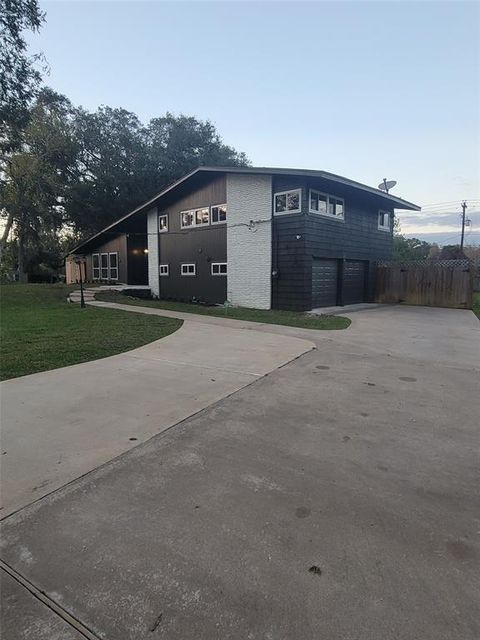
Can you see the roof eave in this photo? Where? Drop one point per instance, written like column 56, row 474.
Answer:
column 399, row 202
column 402, row 204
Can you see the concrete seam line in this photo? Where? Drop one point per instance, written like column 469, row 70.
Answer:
column 48, row 602
column 159, row 435
column 198, row 366
column 199, row 319
column 180, row 315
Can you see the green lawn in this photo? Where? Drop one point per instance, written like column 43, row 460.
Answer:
column 287, row 318
column 476, row 304
column 41, row 331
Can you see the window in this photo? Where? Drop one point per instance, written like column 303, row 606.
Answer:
column 202, row 216
column 187, row 269
column 196, row 217
column 335, row 207
column 187, row 219
column 113, row 265
column 96, row 266
column 163, row 270
column 219, row 213
column 384, row 220
column 318, row 202
column 326, row 205
column 219, row 268
column 163, row 223
column 288, row 201
column 104, row 266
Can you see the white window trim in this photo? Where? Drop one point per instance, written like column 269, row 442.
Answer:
column 96, row 268
column 194, row 212
column 201, row 224
column 215, row 264
column 188, row 264
column 282, row 193
column 211, row 214
column 331, row 216
column 112, row 253
column 163, row 215
column 166, row 270
column 107, row 267
column 382, row 227
column 187, row 226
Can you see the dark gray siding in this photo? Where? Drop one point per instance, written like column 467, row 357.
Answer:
column 291, row 286
column 201, row 245
column 356, row 238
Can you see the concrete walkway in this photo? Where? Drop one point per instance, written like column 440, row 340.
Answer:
column 61, row 424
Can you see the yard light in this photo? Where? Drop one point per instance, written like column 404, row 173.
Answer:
column 79, row 260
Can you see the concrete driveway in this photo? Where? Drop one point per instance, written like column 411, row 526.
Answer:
column 336, row 498
column 58, row 425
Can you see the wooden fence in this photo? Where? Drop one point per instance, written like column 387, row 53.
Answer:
column 435, row 283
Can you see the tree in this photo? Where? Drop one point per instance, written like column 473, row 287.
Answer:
column 407, row 249
column 451, row 252
column 178, row 145
column 19, row 78
column 37, row 178
column 112, row 168
column 123, row 163
column 472, row 252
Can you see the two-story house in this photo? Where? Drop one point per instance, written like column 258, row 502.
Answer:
column 258, row 237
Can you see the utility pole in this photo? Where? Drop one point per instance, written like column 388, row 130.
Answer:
column 464, row 208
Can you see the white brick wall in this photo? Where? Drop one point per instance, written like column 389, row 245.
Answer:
column 249, row 252
column 152, row 244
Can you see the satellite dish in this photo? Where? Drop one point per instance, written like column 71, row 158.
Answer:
column 386, row 185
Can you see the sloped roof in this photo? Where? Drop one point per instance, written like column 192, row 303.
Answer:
column 387, row 199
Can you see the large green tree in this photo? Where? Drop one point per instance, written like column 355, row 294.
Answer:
column 112, row 168
column 407, row 249
column 37, row 179
column 19, row 74
column 123, row 163
column 179, row 144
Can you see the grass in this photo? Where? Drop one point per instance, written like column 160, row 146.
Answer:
column 41, row 331
column 476, row 304
column 286, row 318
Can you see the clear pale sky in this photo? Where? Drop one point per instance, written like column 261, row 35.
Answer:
column 364, row 89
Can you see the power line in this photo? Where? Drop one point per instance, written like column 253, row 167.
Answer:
column 434, row 204
column 446, row 205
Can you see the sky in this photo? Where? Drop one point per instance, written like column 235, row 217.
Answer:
column 367, row 90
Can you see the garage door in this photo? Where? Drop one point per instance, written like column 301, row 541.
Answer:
column 353, row 281
column 324, row 283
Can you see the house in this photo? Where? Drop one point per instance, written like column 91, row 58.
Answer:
column 258, row 237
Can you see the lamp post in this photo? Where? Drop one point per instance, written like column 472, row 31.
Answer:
column 79, row 260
